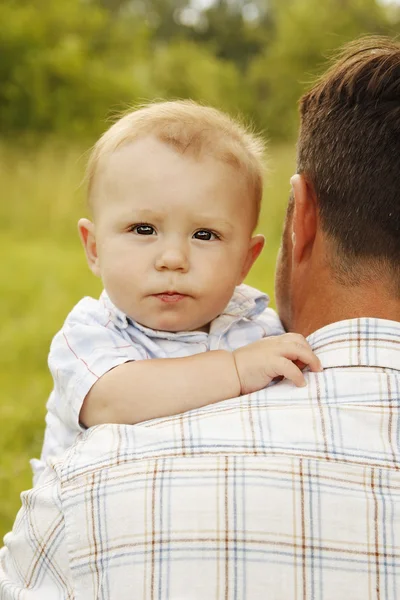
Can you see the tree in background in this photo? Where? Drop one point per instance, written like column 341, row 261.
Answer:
column 65, row 66
column 306, row 33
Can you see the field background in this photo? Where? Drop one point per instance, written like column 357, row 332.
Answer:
column 66, row 68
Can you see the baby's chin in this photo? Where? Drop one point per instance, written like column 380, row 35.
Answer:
column 172, row 318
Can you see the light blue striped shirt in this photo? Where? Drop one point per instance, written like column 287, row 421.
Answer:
column 97, row 336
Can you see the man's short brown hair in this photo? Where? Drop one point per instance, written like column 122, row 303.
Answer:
column 349, row 151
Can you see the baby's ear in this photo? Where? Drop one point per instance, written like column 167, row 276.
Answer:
column 87, row 233
column 255, row 247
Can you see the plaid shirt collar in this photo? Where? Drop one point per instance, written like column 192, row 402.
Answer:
column 364, row 342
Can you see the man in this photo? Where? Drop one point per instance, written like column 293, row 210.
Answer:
column 290, row 493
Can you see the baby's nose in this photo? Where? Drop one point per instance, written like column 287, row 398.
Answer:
column 173, row 259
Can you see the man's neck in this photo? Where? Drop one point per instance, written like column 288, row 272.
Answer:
column 326, row 304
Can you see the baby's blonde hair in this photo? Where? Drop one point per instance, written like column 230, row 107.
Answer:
column 187, row 127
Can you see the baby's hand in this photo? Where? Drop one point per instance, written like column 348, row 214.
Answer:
column 259, row 363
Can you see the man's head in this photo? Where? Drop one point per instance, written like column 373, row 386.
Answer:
column 343, row 221
column 175, row 191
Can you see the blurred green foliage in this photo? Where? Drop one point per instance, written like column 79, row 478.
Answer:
column 65, row 66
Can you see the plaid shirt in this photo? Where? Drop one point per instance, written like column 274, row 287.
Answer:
column 97, row 336
column 286, row 494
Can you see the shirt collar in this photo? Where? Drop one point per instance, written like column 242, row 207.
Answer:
column 361, row 342
column 122, row 321
column 116, row 315
column 246, row 302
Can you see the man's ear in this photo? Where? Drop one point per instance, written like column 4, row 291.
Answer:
column 256, row 245
column 304, row 224
column 88, row 238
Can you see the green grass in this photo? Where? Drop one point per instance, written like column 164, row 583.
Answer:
column 43, row 273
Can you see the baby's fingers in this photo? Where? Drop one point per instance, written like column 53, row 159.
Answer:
column 286, row 368
column 304, row 354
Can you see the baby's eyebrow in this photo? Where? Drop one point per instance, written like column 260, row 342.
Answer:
column 144, row 215
column 214, row 223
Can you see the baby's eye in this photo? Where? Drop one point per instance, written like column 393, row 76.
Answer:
column 143, row 229
column 205, row 235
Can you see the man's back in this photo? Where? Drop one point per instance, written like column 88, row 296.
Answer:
column 285, row 494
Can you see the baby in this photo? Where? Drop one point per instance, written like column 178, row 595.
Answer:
column 174, row 191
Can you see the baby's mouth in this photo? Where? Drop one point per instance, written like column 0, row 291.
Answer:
column 170, row 296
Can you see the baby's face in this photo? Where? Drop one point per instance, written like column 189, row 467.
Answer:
column 172, row 235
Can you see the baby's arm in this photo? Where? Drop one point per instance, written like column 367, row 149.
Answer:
column 146, row 389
